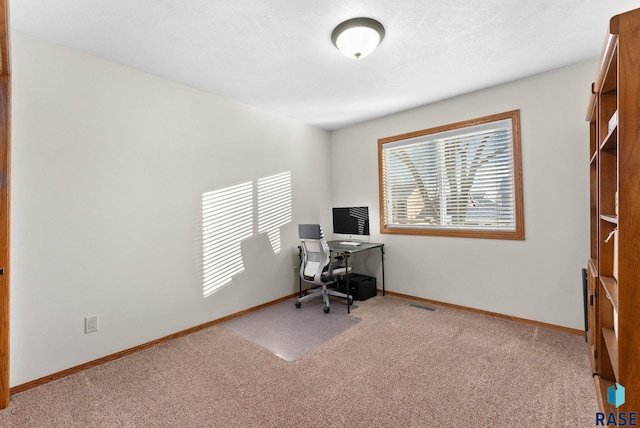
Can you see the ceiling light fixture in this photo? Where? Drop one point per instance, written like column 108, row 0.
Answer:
column 357, row 37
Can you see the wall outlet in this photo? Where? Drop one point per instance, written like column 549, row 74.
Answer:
column 91, row 324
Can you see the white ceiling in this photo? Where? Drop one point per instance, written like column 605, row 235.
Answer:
column 277, row 54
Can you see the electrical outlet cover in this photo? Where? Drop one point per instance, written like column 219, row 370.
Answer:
column 91, row 324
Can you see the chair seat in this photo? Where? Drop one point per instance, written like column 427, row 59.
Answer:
column 330, row 276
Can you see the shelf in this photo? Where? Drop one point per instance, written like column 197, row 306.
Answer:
column 608, row 61
column 592, row 263
column 602, row 386
column 610, row 286
column 591, row 107
column 614, row 271
column 610, row 142
column 609, row 84
column 611, row 342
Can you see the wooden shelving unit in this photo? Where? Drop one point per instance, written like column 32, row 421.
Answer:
column 614, row 263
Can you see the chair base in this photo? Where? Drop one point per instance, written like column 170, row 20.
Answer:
column 325, row 293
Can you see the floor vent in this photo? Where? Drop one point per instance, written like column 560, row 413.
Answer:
column 416, row 305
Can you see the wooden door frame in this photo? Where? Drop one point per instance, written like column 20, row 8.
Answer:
column 5, row 193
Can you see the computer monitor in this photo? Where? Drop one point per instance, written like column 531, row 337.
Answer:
column 352, row 221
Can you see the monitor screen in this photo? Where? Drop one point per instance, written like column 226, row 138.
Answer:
column 351, row 221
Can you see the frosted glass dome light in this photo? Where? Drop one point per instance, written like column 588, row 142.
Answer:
column 357, row 37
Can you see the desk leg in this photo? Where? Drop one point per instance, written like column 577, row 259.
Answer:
column 299, row 276
column 346, row 281
column 382, row 263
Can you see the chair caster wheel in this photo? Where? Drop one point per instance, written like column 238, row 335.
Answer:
column 326, row 309
column 298, row 304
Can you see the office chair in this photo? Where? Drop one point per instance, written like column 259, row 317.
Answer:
column 315, row 266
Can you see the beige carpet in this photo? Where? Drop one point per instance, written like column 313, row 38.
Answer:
column 400, row 366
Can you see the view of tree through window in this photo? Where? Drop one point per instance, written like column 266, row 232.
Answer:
column 462, row 179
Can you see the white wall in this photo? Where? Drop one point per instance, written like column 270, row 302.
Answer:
column 109, row 166
column 536, row 279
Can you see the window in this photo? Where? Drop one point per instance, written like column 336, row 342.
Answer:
column 462, row 179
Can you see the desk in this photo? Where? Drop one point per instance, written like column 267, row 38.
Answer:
column 347, row 250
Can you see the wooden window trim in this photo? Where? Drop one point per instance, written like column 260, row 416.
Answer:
column 517, row 234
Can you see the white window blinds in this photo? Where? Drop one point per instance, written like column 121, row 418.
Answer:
column 455, row 179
